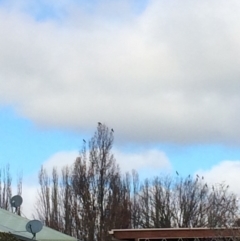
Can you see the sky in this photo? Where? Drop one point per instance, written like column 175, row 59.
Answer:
column 163, row 74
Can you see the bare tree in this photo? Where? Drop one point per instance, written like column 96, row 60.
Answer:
column 92, row 176
column 186, row 202
column 92, row 197
column 161, row 202
column 135, row 203
column 119, row 202
column 5, row 187
column 101, row 161
column 223, row 210
column 67, row 200
column 191, row 202
column 43, row 206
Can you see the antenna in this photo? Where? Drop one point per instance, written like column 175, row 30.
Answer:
column 16, row 202
column 33, row 227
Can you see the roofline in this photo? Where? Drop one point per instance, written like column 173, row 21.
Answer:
column 168, row 229
column 169, row 233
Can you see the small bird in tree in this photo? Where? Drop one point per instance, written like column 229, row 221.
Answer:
column 84, row 141
column 112, row 130
column 177, row 173
column 99, row 123
column 197, row 176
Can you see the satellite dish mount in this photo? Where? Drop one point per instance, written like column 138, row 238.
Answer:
column 33, row 227
column 16, row 202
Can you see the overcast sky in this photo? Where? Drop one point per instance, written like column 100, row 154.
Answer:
column 163, row 74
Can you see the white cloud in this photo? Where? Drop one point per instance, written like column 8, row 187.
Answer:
column 226, row 172
column 60, row 160
column 170, row 74
column 149, row 162
column 30, row 196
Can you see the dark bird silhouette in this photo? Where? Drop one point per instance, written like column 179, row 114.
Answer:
column 206, row 185
column 177, row 173
column 112, row 130
column 99, row 123
column 197, row 175
column 84, row 141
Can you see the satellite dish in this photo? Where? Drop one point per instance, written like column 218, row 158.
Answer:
column 34, row 226
column 16, row 201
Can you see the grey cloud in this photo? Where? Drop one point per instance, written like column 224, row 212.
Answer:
column 168, row 75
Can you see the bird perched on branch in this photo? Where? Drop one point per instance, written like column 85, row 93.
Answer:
column 99, row 123
column 112, row 130
column 177, row 173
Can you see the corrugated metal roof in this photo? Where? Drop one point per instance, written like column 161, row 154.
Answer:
column 10, row 222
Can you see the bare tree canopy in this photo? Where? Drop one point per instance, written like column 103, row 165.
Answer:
column 186, row 202
column 6, row 188
column 91, row 197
